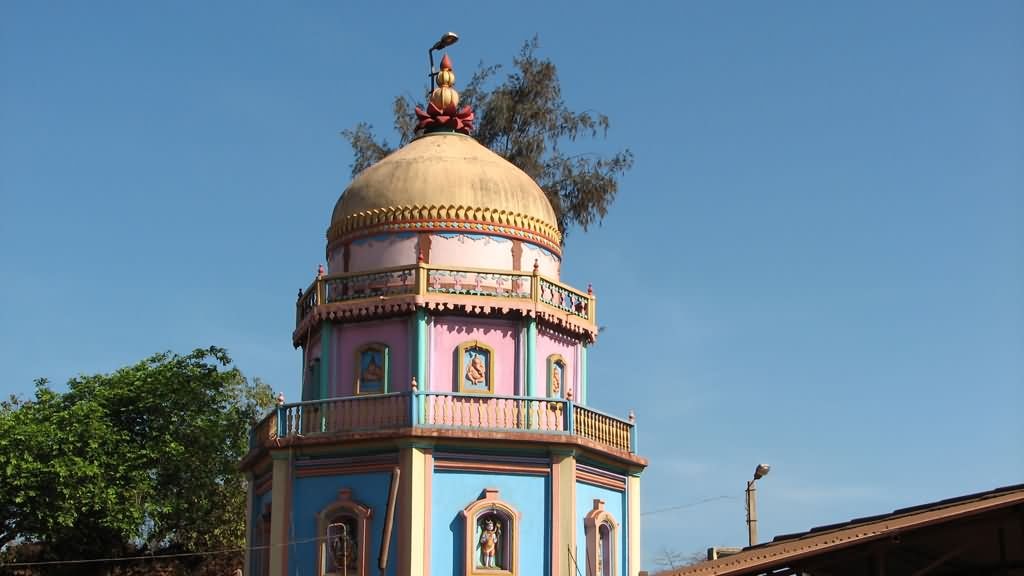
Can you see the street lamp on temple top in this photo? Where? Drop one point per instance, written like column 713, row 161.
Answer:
column 760, row 472
column 446, row 40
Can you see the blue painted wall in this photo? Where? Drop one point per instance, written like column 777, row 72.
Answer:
column 453, row 491
column 615, row 504
column 311, row 495
column 258, row 502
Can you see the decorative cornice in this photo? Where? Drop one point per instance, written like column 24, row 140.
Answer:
column 381, row 307
column 262, row 485
column 491, row 467
column 600, row 478
column 464, row 436
column 446, row 219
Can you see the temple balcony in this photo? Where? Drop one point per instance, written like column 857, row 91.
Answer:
column 389, row 291
column 445, row 415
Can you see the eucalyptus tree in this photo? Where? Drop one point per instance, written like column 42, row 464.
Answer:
column 524, row 119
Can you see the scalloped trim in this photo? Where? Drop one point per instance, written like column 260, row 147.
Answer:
column 446, row 218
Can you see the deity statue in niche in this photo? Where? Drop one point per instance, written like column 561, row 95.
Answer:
column 556, row 375
column 341, row 545
column 604, row 551
column 491, row 553
column 371, row 377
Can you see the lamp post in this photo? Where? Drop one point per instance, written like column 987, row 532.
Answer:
column 446, row 40
column 760, row 472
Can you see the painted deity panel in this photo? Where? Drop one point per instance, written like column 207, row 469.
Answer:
column 476, row 368
column 372, row 369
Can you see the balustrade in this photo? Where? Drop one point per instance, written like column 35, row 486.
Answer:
column 493, row 412
column 444, row 410
column 425, row 279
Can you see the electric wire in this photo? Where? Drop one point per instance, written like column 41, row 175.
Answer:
column 689, row 505
column 269, row 546
column 159, row 556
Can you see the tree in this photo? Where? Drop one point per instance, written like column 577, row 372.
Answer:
column 143, row 458
column 525, row 120
column 671, row 559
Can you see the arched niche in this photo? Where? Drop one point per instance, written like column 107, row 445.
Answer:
column 343, row 529
column 491, row 529
column 602, row 534
column 557, row 375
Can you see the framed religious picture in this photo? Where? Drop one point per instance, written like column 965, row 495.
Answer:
column 475, row 368
column 372, row 369
column 556, row 376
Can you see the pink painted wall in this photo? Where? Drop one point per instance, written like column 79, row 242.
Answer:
column 347, row 338
column 312, row 352
column 462, row 250
column 378, row 252
column 471, row 251
column 547, row 263
column 308, row 390
column 549, row 343
column 446, row 333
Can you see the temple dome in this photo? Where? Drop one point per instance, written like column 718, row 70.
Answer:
column 442, row 178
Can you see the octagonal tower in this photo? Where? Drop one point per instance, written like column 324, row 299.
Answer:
column 444, row 427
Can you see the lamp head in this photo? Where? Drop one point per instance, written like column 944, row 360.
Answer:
column 447, row 40
column 761, row 471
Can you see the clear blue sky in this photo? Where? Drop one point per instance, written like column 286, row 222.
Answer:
column 816, row 262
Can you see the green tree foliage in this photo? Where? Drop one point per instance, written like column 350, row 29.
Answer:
column 524, row 119
column 143, row 458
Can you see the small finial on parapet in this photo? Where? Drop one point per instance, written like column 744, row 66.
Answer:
column 414, row 385
column 632, row 416
column 320, row 272
column 536, row 266
column 300, row 294
column 568, row 394
column 590, row 289
column 280, row 398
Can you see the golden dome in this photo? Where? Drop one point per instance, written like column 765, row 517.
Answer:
column 445, row 181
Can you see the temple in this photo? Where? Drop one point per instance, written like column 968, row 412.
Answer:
column 444, row 427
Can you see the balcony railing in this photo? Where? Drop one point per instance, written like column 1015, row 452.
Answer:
column 426, row 279
column 444, row 410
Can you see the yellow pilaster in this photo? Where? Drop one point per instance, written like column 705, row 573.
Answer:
column 633, row 503
column 280, row 513
column 563, row 500
column 412, row 528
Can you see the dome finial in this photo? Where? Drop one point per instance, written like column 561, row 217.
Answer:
column 442, row 113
